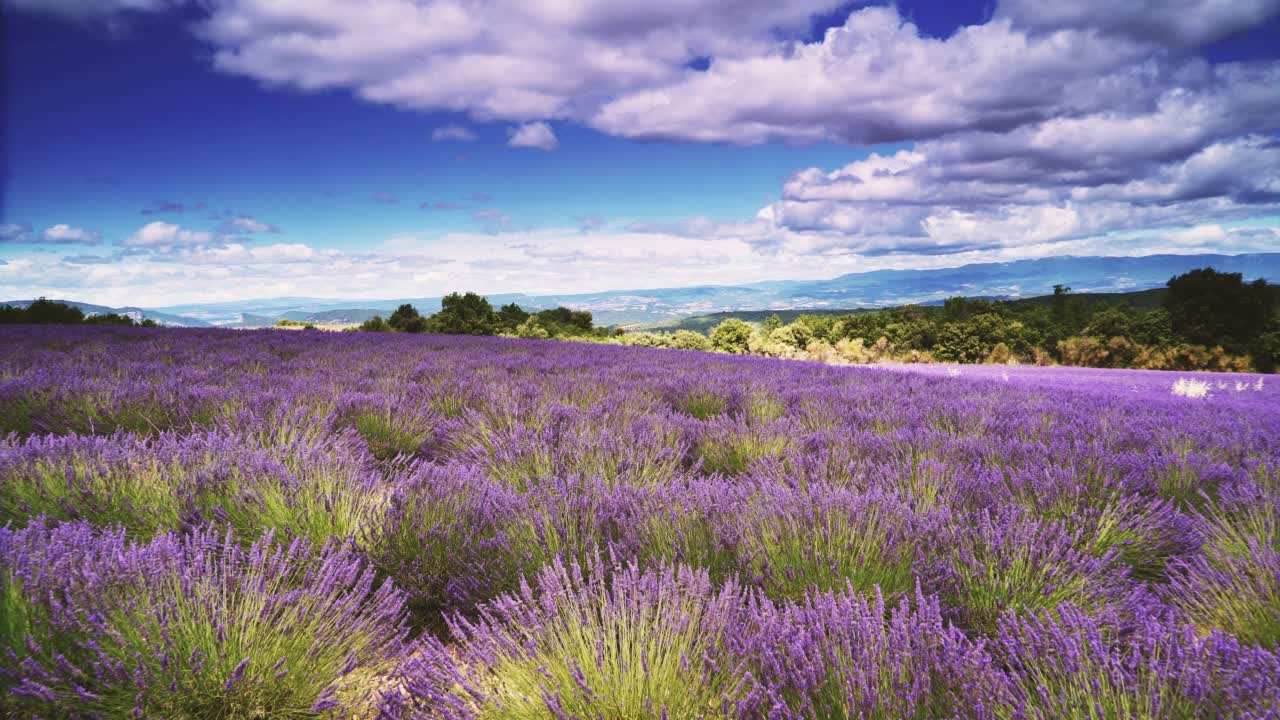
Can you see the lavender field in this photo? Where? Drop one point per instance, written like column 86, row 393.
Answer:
column 269, row 524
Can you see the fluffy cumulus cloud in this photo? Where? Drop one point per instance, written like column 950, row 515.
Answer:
column 1080, row 127
column 1051, row 122
column 878, row 79
column 955, row 195
column 533, row 135
column 62, row 234
column 161, row 234
column 506, row 59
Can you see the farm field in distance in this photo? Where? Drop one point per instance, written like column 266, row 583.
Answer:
column 203, row 523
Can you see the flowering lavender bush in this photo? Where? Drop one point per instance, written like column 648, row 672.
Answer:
column 798, row 542
column 585, row 643
column 819, row 541
column 311, row 483
column 848, row 655
column 189, row 626
column 1072, row 664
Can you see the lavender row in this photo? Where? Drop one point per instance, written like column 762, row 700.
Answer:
column 668, row 643
column 197, row 625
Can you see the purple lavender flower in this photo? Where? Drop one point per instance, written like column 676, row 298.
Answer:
column 188, row 625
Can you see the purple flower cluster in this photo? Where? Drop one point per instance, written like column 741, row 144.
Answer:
column 193, row 625
column 207, row 523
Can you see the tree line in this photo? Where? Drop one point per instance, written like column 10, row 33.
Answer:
column 50, row 312
column 472, row 314
column 1207, row 320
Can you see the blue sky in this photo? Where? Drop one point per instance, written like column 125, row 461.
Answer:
column 160, row 151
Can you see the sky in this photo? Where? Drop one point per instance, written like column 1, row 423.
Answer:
column 156, row 152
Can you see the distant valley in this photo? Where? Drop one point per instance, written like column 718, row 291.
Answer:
column 880, row 288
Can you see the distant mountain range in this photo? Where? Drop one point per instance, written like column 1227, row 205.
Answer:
column 137, row 313
column 879, row 288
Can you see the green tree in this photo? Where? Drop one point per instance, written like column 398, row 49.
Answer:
column 510, row 317
column 1266, row 352
column 771, row 323
column 731, row 336
column 11, row 315
column 406, row 318
column 374, row 324
column 796, row 335
column 690, row 340
column 464, row 314
column 818, row 327
column 563, row 322
column 973, row 340
column 1109, row 322
column 1153, row 328
column 531, row 328
column 959, row 309
column 913, row 334
column 110, row 319
column 869, row 326
column 1069, row 314
column 48, row 312
column 1207, row 307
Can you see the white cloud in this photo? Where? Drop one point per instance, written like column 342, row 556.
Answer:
column 1197, row 235
column 877, row 79
column 533, row 135
column 246, row 224
column 62, row 234
column 1087, row 128
column 557, row 261
column 456, row 133
column 161, row 234
column 1177, row 22
column 625, row 68
column 506, row 59
column 961, row 194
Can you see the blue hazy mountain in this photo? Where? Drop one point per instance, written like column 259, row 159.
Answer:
column 878, row 288
column 137, row 313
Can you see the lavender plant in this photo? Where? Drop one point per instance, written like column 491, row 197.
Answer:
column 584, row 643
column 1068, row 663
column 1236, row 592
column 797, row 542
column 1005, row 561
column 194, row 626
column 850, row 655
column 442, row 539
